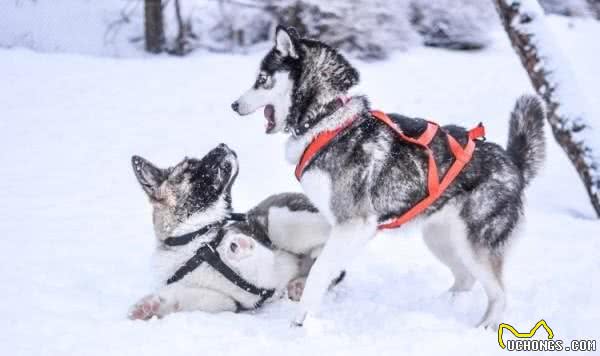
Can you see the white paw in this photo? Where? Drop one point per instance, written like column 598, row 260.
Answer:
column 298, row 321
column 489, row 324
column 239, row 247
column 315, row 326
column 295, row 288
column 146, row 308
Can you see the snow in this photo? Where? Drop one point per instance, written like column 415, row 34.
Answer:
column 77, row 235
column 80, row 26
column 573, row 108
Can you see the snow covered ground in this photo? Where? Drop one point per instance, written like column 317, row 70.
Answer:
column 76, row 228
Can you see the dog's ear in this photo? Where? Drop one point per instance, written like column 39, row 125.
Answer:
column 294, row 34
column 175, row 174
column 349, row 78
column 148, row 175
column 286, row 41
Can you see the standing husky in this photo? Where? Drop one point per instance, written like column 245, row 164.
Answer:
column 367, row 175
column 206, row 263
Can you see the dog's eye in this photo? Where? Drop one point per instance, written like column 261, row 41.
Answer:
column 262, row 79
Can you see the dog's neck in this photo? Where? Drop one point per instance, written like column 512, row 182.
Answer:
column 308, row 113
column 355, row 106
column 217, row 212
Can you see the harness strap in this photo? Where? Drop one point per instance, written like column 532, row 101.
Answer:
column 435, row 187
column 214, row 260
column 197, row 259
column 208, row 253
column 319, row 142
column 423, row 141
column 189, row 237
column 238, row 217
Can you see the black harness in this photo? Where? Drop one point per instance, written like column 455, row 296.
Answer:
column 208, row 253
column 189, row 237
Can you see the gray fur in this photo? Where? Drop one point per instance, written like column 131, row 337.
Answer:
column 258, row 217
column 526, row 143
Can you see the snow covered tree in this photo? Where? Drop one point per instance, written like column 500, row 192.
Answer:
column 153, row 26
column 367, row 29
column 549, row 72
column 566, row 7
column 226, row 25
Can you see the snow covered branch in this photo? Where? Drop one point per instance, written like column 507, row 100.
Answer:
column 550, row 74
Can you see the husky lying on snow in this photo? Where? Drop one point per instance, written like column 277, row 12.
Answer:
column 207, row 262
column 367, row 175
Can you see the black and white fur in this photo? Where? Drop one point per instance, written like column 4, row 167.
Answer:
column 197, row 193
column 368, row 175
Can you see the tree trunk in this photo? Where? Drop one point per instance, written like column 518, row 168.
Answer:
column 524, row 23
column 153, row 26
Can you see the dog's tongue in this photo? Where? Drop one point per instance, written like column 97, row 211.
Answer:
column 269, row 112
column 270, row 116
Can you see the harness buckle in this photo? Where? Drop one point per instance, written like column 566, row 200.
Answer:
column 210, row 247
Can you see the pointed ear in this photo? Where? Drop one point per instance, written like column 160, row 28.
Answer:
column 148, row 175
column 178, row 170
column 286, row 41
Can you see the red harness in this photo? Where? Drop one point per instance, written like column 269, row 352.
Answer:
column 435, row 187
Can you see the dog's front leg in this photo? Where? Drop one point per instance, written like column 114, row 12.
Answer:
column 175, row 298
column 345, row 241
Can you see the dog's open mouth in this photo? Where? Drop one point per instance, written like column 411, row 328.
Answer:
column 270, row 116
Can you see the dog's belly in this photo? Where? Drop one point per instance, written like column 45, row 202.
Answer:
column 317, row 186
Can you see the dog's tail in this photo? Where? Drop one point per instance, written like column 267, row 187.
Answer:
column 526, row 142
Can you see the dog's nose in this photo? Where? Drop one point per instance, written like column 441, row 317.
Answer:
column 235, row 106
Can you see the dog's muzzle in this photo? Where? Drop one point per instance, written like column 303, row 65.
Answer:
column 235, row 106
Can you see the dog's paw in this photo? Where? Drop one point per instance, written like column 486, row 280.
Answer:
column 298, row 321
column 295, row 288
column 489, row 324
column 146, row 308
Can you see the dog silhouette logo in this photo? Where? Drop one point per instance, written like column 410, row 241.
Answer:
column 540, row 324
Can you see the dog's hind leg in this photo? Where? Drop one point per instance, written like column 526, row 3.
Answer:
column 469, row 263
column 345, row 241
column 489, row 274
column 448, row 242
column 448, row 237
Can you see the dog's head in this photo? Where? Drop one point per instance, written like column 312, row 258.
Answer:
column 295, row 79
column 192, row 194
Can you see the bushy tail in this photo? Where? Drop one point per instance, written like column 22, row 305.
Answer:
column 526, row 141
